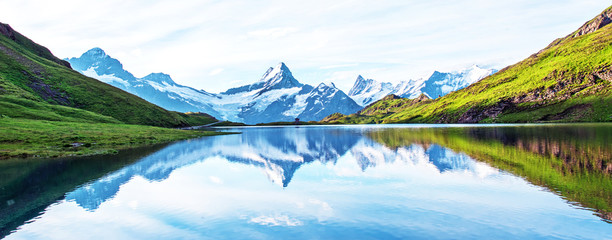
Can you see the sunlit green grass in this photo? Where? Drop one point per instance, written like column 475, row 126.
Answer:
column 41, row 138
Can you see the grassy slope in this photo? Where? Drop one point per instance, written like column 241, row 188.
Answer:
column 560, row 83
column 576, row 59
column 573, row 167
column 45, row 107
column 377, row 111
column 42, row 80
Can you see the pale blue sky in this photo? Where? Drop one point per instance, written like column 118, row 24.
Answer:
column 214, row 45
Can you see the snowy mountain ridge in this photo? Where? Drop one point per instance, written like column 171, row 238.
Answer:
column 277, row 96
column 438, row 84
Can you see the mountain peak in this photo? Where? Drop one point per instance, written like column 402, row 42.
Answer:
column 95, row 52
column 279, row 77
column 361, row 85
column 280, row 70
column 438, row 75
column 359, row 79
column 158, row 75
column 159, row 78
column 282, row 66
column 96, row 62
column 326, row 84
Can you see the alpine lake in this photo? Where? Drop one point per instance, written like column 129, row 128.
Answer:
column 413, row 181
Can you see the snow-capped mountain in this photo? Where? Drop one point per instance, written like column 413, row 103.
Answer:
column 438, row 84
column 157, row 88
column 366, row 91
column 277, row 96
column 409, row 89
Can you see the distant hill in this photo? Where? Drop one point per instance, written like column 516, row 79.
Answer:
column 568, row 81
column 34, row 84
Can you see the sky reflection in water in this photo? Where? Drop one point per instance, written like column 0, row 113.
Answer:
column 311, row 182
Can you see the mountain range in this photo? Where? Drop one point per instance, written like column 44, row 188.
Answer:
column 366, row 91
column 278, row 96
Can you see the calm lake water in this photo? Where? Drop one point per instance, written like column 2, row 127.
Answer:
column 326, row 182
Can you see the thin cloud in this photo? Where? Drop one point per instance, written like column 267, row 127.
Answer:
column 215, row 72
column 273, row 33
column 339, row 66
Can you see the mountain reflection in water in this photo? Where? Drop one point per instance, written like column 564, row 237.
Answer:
column 279, row 155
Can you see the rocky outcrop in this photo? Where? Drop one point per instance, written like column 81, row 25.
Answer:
column 48, row 93
column 605, row 75
column 597, row 23
column 591, row 26
column 477, row 114
column 7, row 31
column 422, row 98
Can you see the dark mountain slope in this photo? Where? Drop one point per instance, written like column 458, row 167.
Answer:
column 29, row 45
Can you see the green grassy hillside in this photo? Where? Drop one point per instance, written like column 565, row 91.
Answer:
column 35, row 84
column 49, row 110
column 569, row 81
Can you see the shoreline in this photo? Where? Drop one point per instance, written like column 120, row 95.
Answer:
column 38, row 139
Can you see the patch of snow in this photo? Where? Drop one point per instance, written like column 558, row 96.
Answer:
column 446, row 88
column 476, row 73
column 298, row 107
column 184, row 92
column 271, row 73
column 264, row 100
column 91, row 72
